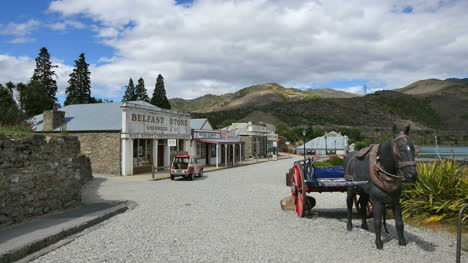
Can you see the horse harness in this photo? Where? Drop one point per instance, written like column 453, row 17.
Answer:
column 383, row 179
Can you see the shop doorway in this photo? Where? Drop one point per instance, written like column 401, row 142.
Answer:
column 142, row 155
column 161, row 144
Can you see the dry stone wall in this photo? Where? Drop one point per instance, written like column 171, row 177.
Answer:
column 40, row 174
column 103, row 148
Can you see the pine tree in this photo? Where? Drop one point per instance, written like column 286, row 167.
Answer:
column 9, row 112
column 40, row 93
column 159, row 98
column 141, row 93
column 130, row 92
column 79, row 84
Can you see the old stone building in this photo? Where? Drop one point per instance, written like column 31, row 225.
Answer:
column 122, row 137
column 259, row 138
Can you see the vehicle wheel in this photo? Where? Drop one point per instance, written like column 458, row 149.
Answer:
column 172, row 177
column 200, row 174
column 192, row 176
column 298, row 191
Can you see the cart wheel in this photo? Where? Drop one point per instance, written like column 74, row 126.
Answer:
column 172, row 177
column 298, row 191
column 369, row 210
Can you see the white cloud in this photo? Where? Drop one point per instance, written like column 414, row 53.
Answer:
column 355, row 89
column 20, row 31
column 20, row 69
column 217, row 46
column 61, row 26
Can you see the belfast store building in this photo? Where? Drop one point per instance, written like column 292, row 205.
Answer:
column 123, row 138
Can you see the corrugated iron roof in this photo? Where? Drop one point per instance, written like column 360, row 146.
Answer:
column 93, row 117
column 197, row 124
column 329, row 142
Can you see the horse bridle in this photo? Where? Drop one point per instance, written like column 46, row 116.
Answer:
column 397, row 156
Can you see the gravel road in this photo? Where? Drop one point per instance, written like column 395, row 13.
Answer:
column 234, row 215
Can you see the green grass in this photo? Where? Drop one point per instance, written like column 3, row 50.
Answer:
column 21, row 129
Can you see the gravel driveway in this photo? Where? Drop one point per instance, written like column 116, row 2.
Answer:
column 234, row 215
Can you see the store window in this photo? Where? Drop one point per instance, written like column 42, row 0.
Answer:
column 142, row 154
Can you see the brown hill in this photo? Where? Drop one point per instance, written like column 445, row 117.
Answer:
column 331, row 93
column 262, row 94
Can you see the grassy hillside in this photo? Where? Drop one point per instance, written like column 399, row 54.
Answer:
column 331, row 93
column 431, row 86
column 380, row 110
column 254, row 95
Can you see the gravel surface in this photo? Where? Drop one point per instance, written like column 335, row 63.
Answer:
column 234, row 215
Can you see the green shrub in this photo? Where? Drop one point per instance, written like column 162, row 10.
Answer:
column 362, row 144
column 438, row 194
column 322, row 164
column 335, row 161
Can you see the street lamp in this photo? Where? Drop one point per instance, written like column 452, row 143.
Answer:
column 304, row 134
column 326, row 147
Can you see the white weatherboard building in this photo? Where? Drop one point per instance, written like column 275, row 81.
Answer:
column 122, row 137
column 214, row 147
column 329, row 144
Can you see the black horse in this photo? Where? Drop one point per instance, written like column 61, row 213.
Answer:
column 383, row 166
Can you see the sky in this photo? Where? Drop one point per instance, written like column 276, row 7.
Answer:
column 218, row 46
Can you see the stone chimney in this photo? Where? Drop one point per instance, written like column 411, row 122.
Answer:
column 53, row 119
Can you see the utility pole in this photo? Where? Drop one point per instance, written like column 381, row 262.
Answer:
column 365, row 89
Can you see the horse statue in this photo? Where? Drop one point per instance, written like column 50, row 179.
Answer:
column 384, row 166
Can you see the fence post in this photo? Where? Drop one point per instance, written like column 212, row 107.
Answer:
column 459, row 230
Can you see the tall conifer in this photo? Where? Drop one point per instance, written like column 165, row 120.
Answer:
column 130, row 92
column 41, row 91
column 159, row 98
column 79, row 84
column 141, row 93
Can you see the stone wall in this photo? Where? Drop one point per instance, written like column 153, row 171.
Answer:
column 40, row 174
column 103, row 148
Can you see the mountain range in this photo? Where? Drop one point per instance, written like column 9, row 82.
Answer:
column 426, row 104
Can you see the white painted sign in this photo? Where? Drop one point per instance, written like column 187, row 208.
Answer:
column 275, row 144
column 171, row 142
column 142, row 123
column 206, row 134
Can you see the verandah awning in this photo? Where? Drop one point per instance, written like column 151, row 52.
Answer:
column 220, row 141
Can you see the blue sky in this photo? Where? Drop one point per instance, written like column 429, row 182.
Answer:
column 211, row 46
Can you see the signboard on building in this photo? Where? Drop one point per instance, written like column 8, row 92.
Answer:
column 155, row 124
column 171, row 142
column 230, row 136
column 272, row 137
column 204, row 134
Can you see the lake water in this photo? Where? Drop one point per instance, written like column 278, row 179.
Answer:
column 445, row 152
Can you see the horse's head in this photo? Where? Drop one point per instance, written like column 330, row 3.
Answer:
column 404, row 153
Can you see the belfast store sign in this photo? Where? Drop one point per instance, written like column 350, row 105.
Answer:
column 156, row 124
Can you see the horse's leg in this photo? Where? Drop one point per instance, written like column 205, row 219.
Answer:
column 399, row 224
column 349, row 203
column 363, row 199
column 378, row 209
